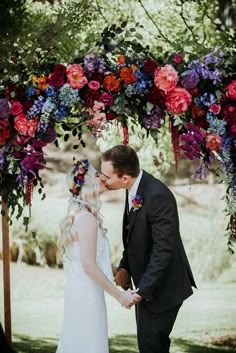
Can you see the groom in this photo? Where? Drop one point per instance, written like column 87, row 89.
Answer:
column 154, row 255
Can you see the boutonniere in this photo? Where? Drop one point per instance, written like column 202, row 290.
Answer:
column 137, row 202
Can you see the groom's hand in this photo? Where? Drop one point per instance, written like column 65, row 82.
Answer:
column 123, row 279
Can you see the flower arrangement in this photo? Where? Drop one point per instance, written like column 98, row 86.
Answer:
column 80, row 170
column 197, row 97
column 137, row 202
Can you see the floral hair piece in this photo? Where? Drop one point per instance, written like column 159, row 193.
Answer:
column 80, row 170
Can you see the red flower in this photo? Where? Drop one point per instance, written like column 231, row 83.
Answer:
column 110, row 116
column 4, row 135
column 32, row 127
column 156, row 96
column 178, row 100
column 215, row 108
column 229, row 114
column 233, row 130
column 92, row 96
column 121, row 59
column 178, row 59
column 25, row 127
column 127, row 75
column 60, row 69
column 111, row 83
column 3, row 123
column 21, row 124
column 96, row 76
column 231, row 90
column 150, row 65
column 26, row 106
column 107, row 99
column 56, row 80
column 16, row 108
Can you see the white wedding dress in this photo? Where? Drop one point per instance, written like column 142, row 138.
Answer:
column 85, row 317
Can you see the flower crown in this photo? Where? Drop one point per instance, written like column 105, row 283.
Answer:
column 80, row 170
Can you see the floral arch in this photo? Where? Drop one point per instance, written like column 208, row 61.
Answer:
column 197, row 98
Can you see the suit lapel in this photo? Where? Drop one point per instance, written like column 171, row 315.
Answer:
column 134, row 213
column 125, row 218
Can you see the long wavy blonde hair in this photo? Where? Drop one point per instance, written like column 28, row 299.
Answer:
column 88, row 199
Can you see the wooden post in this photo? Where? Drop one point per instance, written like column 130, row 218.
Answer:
column 6, row 272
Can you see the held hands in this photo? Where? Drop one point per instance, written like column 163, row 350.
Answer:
column 123, row 279
column 129, row 298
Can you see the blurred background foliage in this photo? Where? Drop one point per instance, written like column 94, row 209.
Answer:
column 62, row 30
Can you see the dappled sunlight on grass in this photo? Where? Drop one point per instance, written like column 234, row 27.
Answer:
column 117, row 344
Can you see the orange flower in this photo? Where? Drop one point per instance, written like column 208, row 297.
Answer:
column 43, row 86
column 127, row 75
column 42, row 80
column 34, row 78
column 111, row 83
column 213, row 142
column 121, row 59
column 134, row 68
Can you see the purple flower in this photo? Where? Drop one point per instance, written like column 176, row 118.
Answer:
column 4, row 108
column 3, row 124
column 49, row 135
column 31, row 164
column 192, row 141
column 92, row 63
column 153, row 120
column 1, row 159
column 189, row 79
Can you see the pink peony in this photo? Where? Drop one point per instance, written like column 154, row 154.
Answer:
column 75, row 76
column 16, row 108
column 231, row 90
column 166, row 78
column 213, row 142
column 98, row 106
column 21, row 124
column 25, row 127
column 32, row 127
column 94, row 85
column 178, row 100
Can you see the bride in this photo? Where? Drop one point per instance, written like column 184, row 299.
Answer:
column 87, row 265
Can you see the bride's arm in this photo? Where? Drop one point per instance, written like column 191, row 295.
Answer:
column 87, row 234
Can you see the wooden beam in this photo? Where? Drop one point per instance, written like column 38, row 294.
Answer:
column 6, row 271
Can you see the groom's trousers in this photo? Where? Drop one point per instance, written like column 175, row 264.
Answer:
column 153, row 329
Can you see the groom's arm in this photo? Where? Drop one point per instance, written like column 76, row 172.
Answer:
column 123, row 277
column 163, row 218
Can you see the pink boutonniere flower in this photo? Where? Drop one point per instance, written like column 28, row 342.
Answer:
column 137, row 202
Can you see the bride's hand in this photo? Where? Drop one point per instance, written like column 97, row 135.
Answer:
column 127, row 298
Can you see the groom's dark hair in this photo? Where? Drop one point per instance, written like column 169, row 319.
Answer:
column 124, row 160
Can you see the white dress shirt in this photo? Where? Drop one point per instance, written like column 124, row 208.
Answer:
column 133, row 191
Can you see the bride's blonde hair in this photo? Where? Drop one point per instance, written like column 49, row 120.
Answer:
column 87, row 198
